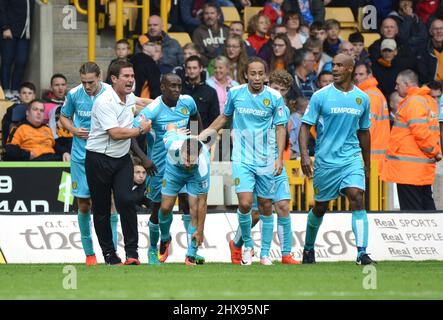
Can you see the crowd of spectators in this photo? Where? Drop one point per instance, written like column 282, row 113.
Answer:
column 289, row 35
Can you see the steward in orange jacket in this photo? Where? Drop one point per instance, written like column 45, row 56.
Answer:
column 414, row 145
column 380, row 128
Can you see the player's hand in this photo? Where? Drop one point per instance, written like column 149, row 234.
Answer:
column 81, row 133
column 183, row 131
column 438, row 157
column 198, row 236
column 146, row 125
column 7, row 34
column 150, row 167
column 306, row 166
column 66, row 157
column 278, row 167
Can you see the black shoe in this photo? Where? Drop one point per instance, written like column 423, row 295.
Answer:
column 112, row 259
column 308, row 256
column 364, row 259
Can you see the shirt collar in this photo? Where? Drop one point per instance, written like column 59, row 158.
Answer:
column 117, row 98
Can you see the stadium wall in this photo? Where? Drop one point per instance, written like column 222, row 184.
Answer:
column 55, row 238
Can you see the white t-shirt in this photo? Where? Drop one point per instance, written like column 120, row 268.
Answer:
column 110, row 112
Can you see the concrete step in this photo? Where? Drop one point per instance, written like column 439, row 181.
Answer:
column 61, row 53
column 73, row 39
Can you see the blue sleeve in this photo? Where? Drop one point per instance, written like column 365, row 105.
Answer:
column 229, row 105
column 365, row 119
column 145, row 114
column 312, row 111
column 280, row 114
column 68, row 106
column 169, row 138
column 192, row 107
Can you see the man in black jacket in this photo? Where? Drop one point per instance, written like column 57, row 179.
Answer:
column 431, row 55
column 205, row 97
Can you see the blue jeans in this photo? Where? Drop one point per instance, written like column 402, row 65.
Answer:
column 14, row 53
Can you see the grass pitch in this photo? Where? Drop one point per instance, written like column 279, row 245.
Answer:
column 340, row 280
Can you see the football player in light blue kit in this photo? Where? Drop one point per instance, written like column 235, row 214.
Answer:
column 281, row 81
column 170, row 107
column 340, row 112
column 76, row 117
column 187, row 164
column 255, row 109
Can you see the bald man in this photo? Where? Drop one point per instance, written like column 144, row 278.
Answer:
column 340, row 111
column 348, row 49
column 170, row 108
column 430, row 58
column 172, row 51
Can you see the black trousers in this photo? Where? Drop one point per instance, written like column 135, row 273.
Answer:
column 106, row 174
column 415, row 197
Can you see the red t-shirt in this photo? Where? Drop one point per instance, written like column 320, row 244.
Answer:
column 257, row 42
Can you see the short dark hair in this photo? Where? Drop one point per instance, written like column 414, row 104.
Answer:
column 366, row 65
column 356, row 37
column 331, row 23
column 257, row 59
column 116, row 66
column 28, row 85
column 194, row 58
column 136, row 161
column 292, row 13
column 90, row 67
column 434, row 85
column 323, row 73
column 317, row 25
column 122, row 41
column 58, row 75
column 34, row 101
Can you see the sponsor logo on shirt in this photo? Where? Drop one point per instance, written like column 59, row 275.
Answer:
column 83, row 113
column 254, row 112
column 346, row 110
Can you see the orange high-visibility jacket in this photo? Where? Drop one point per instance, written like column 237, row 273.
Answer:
column 414, row 140
column 380, row 128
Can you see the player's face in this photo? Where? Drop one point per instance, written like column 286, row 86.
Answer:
column 26, row 95
column 280, row 88
column 59, row 88
column 341, row 69
column 91, row 83
column 124, row 82
column 256, row 75
column 172, row 88
column 193, row 70
column 122, row 50
column 36, row 113
column 360, row 74
column 139, row 175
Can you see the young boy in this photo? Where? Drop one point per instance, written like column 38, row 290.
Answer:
column 122, row 51
column 332, row 42
column 139, row 188
column 358, row 42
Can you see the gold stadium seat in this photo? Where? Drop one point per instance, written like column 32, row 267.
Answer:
column 370, row 38
column 230, row 14
column 296, row 181
column 343, row 15
column 182, row 37
column 248, row 13
column 344, row 33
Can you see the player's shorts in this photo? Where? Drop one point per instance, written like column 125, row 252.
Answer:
column 175, row 179
column 329, row 182
column 80, row 188
column 154, row 188
column 248, row 178
column 282, row 191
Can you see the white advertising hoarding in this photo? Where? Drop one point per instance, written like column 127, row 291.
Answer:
column 392, row 236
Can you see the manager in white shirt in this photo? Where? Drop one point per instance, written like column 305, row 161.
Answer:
column 108, row 164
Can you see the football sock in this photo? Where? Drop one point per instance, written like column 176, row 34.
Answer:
column 165, row 222
column 360, row 229
column 114, row 222
column 238, row 240
column 284, row 231
column 186, row 218
column 192, row 247
column 245, row 221
column 84, row 223
column 154, row 234
column 312, row 227
column 267, row 230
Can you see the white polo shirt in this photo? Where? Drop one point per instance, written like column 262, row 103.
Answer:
column 110, row 112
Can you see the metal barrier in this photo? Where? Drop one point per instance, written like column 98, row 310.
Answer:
column 301, row 185
column 90, row 12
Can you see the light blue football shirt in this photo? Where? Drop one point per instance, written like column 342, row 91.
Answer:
column 338, row 116
column 173, row 143
column 273, row 134
column 161, row 115
column 254, row 118
column 440, row 110
column 78, row 105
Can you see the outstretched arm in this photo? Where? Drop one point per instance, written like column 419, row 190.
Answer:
column 303, row 140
